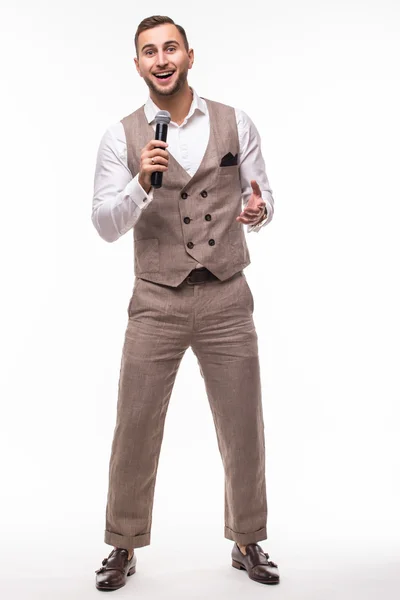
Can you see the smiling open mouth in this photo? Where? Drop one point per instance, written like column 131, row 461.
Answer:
column 164, row 76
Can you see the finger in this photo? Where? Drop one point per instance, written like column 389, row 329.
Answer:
column 158, row 152
column 156, row 167
column 256, row 187
column 255, row 209
column 160, row 160
column 251, row 216
column 157, row 144
column 251, row 212
column 154, row 145
column 246, row 221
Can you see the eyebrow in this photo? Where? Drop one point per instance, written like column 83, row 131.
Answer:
column 165, row 44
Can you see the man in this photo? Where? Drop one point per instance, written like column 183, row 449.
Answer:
column 190, row 290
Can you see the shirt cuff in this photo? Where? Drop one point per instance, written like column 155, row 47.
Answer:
column 137, row 194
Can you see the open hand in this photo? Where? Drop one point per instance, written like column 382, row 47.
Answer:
column 254, row 209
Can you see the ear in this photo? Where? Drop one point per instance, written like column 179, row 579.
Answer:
column 191, row 57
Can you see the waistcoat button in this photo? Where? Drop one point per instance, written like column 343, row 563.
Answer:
column 211, row 242
column 184, row 195
column 190, row 244
column 204, row 194
column 208, row 217
column 186, row 220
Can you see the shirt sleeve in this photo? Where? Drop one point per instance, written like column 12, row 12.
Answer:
column 118, row 199
column 252, row 166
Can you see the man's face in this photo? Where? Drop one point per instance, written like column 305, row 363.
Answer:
column 161, row 49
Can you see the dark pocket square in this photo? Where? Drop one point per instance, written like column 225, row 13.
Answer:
column 229, row 160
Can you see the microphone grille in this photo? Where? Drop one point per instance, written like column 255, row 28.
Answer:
column 163, row 116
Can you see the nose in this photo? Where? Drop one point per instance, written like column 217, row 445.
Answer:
column 161, row 59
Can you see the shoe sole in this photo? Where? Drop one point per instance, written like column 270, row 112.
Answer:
column 111, row 589
column 239, row 566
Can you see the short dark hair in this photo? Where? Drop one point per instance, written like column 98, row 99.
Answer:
column 154, row 21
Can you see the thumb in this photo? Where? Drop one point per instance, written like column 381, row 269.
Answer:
column 256, row 187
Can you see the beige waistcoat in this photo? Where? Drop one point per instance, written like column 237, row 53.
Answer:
column 190, row 220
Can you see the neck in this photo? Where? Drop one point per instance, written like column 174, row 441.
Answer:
column 177, row 105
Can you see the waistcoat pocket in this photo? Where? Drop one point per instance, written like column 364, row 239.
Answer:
column 147, row 256
column 228, row 174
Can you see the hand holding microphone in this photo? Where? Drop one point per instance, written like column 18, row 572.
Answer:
column 154, row 157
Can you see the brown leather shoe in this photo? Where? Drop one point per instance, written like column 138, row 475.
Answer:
column 256, row 563
column 115, row 570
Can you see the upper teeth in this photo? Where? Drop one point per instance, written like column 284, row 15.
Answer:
column 166, row 73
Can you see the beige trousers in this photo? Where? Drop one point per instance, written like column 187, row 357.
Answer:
column 215, row 319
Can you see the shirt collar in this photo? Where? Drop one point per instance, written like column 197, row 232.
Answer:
column 151, row 109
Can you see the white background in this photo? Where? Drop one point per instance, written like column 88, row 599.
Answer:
column 321, row 82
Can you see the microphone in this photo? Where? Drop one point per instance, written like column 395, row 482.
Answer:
column 163, row 118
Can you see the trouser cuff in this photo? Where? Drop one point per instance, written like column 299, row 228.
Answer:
column 126, row 541
column 246, row 538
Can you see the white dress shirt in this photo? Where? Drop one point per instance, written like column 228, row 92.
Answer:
column 118, row 198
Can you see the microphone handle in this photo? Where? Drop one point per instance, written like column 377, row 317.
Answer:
column 161, row 134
